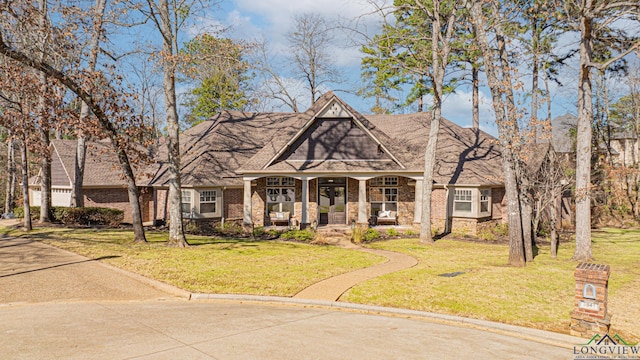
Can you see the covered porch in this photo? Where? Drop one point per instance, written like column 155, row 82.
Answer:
column 331, row 199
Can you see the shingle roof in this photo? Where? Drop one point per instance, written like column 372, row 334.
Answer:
column 213, row 150
column 101, row 164
column 463, row 155
column 217, row 152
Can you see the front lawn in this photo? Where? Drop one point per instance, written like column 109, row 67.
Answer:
column 540, row 295
column 212, row 265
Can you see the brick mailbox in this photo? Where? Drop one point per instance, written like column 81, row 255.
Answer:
column 590, row 316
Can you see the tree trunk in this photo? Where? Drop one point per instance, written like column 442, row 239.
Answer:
column 45, row 173
column 176, row 229
column 475, row 98
column 583, row 143
column 507, row 128
column 25, row 186
column 9, row 203
column 43, row 122
column 554, row 224
column 527, row 233
column 534, row 82
column 427, row 184
column 77, row 197
column 439, row 60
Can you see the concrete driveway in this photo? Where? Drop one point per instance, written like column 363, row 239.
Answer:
column 57, row 305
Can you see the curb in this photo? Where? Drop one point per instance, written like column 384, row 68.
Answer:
column 520, row 332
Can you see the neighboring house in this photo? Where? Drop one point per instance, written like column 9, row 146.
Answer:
column 103, row 182
column 332, row 165
column 622, row 146
column 328, row 165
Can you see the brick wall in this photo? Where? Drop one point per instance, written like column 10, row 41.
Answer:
column 499, row 205
column 233, row 203
column 118, row 198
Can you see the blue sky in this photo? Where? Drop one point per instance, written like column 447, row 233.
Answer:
column 272, row 19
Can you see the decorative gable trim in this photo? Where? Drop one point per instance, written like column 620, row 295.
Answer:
column 334, row 108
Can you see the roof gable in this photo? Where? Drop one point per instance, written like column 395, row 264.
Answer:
column 334, row 131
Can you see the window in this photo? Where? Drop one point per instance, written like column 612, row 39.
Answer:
column 281, row 195
column 384, row 181
column 208, row 203
column 462, row 201
column 473, row 203
column 186, row 201
column 383, row 197
column 485, row 201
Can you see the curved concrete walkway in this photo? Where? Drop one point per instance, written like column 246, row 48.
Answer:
column 332, row 288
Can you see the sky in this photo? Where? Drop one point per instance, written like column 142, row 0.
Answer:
column 271, row 20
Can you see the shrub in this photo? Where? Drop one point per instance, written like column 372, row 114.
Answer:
column 258, row 231
column 392, row 232
column 35, row 212
column 305, row 235
column 192, row 227
column 502, row 229
column 411, row 232
column 370, row 235
column 88, row 216
column 77, row 216
column 357, row 234
column 229, row 228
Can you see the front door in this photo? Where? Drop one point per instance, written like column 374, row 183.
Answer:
column 332, row 201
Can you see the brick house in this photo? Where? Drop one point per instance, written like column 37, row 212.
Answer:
column 103, row 182
column 328, row 165
column 332, row 165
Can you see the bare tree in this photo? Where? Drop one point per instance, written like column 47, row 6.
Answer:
column 9, row 202
column 107, row 103
column 77, row 197
column 168, row 17
column 310, row 56
column 498, row 70
column 592, row 15
column 273, row 86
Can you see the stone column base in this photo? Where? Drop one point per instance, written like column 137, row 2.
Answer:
column 586, row 326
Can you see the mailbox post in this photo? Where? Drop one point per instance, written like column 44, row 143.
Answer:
column 590, row 316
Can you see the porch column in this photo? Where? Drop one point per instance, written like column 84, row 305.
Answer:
column 246, row 215
column 417, row 212
column 304, row 218
column 362, row 201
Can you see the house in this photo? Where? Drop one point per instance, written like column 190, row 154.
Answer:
column 103, row 183
column 328, row 166
column 331, row 165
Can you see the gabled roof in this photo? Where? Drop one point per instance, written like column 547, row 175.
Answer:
column 218, row 152
column 101, row 164
column 213, row 150
column 463, row 155
column 270, row 158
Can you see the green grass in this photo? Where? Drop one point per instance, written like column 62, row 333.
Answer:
column 539, row 295
column 213, row 265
